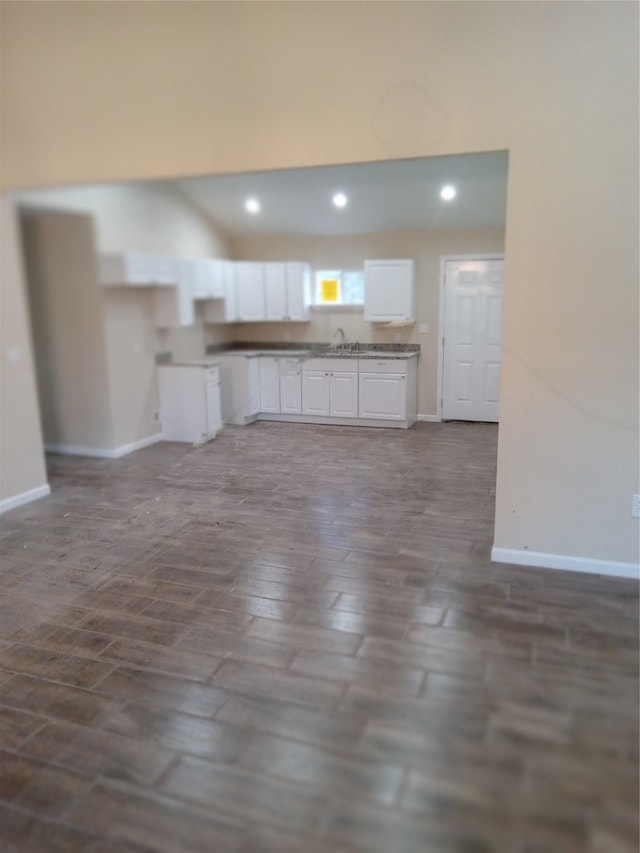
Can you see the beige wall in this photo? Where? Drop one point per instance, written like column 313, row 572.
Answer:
column 143, row 217
column 21, row 457
column 221, row 87
column 350, row 252
column 68, row 330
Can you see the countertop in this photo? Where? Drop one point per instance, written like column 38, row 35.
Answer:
column 315, row 353
column 193, row 362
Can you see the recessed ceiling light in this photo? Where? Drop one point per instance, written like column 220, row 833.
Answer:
column 448, row 192
column 252, row 205
column 340, row 200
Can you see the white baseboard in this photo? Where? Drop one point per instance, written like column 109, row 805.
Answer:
column 103, row 452
column 24, row 498
column 432, row 418
column 565, row 562
column 137, row 445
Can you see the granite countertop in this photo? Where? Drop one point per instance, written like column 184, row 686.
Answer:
column 315, row 351
column 191, row 362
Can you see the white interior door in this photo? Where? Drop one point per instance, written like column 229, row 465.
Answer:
column 472, row 352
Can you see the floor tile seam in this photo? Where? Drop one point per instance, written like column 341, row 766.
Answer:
column 55, row 820
column 251, row 820
column 57, row 682
column 156, row 669
column 304, row 630
column 94, row 656
column 295, row 782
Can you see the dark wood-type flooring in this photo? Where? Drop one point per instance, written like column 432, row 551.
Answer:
column 293, row 639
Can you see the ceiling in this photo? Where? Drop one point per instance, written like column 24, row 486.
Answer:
column 394, row 195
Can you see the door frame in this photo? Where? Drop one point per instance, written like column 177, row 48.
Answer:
column 444, row 260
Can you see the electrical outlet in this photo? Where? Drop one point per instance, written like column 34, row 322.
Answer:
column 635, row 506
column 423, row 328
column 397, row 337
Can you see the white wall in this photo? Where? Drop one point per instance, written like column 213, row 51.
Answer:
column 350, row 252
column 232, row 87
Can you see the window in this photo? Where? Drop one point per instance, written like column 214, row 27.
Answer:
column 339, row 287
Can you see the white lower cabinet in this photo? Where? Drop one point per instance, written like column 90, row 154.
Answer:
column 343, row 396
column 189, row 402
column 315, row 392
column 239, row 388
column 383, row 396
column 269, row 385
column 290, row 386
column 330, row 390
column 387, row 389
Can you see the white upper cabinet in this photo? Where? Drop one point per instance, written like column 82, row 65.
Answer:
column 207, row 277
column 298, row 276
column 287, row 291
column 390, row 291
column 137, row 269
column 250, row 292
column 173, row 305
column 275, row 286
column 224, row 309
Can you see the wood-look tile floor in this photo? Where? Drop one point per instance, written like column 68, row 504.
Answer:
column 293, row 639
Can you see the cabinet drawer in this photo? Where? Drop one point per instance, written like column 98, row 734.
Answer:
column 287, row 364
column 331, row 365
column 383, row 365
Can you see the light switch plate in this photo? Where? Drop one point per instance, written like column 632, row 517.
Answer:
column 423, row 328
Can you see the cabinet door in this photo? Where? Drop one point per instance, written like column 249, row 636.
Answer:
column 269, row 384
column 291, row 392
column 214, row 415
column 275, row 286
column 383, row 396
column 250, row 292
column 315, row 392
column 298, row 291
column 344, row 395
column 389, row 291
column 253, row 384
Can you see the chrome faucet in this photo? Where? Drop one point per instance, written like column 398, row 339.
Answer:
column 338, row 344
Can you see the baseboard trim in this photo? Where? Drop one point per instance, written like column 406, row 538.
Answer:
column 565, row 562
column 103, row 452
column 431, row 418
column 24, row 498
column 124, row 449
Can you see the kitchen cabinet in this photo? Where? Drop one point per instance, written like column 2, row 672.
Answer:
column 173, row 303
column 250, row 292
column 189, row 401
column 287, row 291
column 239, row 387
column 207, row 278
column 275, row 286
column 269, row 368
column 387, row 389
column 224, row 309
column 290, row 386
column 390, row 291
column 330, row 388
column 137, row 269
column 315, row 392
column 343, row 394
